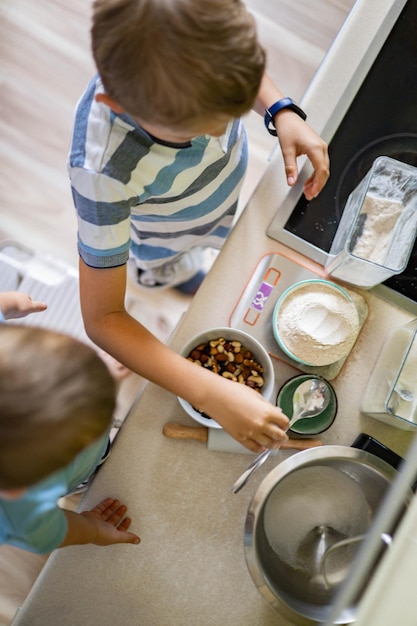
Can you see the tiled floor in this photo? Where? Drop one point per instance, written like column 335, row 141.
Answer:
column 45, row 64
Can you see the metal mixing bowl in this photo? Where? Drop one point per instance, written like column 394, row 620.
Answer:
column 308, row 502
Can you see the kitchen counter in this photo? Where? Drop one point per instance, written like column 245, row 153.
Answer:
column 190, row 568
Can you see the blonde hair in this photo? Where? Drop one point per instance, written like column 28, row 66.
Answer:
column 56, row 397
column 176, row 62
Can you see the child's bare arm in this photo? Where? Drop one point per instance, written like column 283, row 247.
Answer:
column 241, row 411
column 296, row 137
column 103, row 525
column 14, row 304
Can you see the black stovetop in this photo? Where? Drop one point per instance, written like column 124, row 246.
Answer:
column 382, row 120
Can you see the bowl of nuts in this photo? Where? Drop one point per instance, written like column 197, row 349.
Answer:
column 233, row 354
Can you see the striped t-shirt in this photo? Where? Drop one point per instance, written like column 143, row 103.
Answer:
column 137, row 196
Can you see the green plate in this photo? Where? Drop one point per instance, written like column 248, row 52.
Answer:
column 311, row 425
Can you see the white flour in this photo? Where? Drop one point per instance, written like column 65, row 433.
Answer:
column 381, row 217
column 308, row 498
column 318, row 324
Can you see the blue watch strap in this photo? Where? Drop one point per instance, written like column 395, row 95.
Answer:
column 284, row 103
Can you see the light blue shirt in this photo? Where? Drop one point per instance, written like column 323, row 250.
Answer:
column 35, row 522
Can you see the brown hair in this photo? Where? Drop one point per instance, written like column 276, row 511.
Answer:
column 176, row 62
column 56, row 397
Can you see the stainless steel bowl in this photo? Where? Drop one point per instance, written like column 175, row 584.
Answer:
column 308, row 502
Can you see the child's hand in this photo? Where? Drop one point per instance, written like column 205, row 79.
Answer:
column 246, row 415
column 14, row 304
column 107, row 516
column 297, row 138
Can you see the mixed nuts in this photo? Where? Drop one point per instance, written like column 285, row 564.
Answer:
column 230, row 359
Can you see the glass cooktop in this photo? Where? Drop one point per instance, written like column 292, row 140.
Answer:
column 381, row 120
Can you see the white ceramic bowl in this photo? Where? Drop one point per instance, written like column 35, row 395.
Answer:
column 260, row 355
column 315, row 322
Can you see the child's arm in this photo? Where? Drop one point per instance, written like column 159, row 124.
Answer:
column 103, row 525
column 14, row 304
column 241, row 411
column 296, row 137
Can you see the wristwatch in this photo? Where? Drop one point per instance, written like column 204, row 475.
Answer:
column 284, row 103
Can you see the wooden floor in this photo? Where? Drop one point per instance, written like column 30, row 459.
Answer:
column 45, row 65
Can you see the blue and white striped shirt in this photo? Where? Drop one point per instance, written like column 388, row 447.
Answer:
column 137, row 196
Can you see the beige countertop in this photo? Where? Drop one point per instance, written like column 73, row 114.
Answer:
column 190, row 567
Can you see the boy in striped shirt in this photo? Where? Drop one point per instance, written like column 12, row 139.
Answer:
column 156, row 164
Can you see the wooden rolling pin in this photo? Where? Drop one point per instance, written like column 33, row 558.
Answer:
column 219, row 440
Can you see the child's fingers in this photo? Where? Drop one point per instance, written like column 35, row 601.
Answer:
column 38, row 306
column 315, row 184
column 112, row 524
column 124, row 524
column 110, row 510
column 105, row 505
column 114, row 515
column 125, row 537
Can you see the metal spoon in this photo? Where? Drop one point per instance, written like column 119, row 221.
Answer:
column 310, row 398
column 333, row 575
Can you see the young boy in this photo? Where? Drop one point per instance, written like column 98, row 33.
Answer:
column 157, row 160
column 56, row 403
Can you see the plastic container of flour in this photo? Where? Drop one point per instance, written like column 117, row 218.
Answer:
column 391, row 392
column 378, row 227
